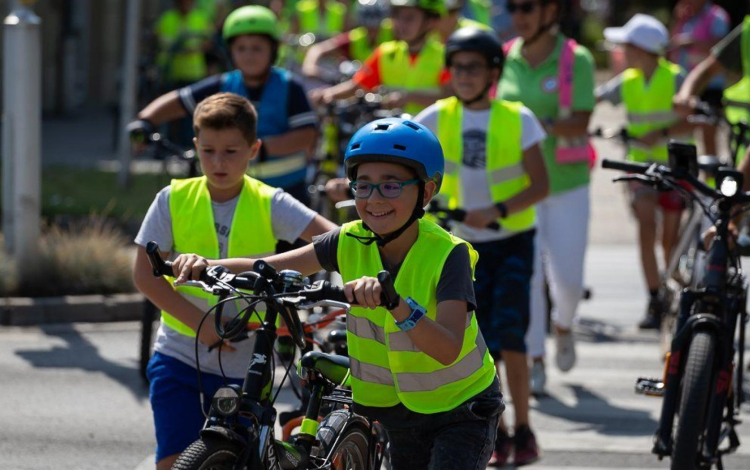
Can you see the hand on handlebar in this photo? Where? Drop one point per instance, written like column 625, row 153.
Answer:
column 481, row 218
column 189, row 267
column 365, row 291
column 337, row 189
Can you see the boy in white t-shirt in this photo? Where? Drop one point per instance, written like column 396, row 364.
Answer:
column 495, row 171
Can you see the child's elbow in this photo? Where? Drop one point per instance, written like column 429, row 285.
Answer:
column 450, row 355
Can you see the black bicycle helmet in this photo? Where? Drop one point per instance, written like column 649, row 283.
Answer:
column 472, row 39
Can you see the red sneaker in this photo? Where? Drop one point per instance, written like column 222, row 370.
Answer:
column 525, row 447
column 503, row 449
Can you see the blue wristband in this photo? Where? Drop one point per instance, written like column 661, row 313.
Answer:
column 417, row 312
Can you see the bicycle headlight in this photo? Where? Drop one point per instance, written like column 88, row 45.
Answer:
column 226, row 401
column 728, row 186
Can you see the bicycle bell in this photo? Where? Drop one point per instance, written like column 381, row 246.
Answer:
column 291, row 279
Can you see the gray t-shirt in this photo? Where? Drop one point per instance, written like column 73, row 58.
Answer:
column 289, row 218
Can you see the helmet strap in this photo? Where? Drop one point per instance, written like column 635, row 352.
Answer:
column 417, row 214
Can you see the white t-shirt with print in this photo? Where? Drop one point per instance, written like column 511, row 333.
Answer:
column 475, row 189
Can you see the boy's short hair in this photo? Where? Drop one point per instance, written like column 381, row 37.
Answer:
column 227, row 111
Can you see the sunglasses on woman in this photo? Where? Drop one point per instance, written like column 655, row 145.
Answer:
column 525, row 7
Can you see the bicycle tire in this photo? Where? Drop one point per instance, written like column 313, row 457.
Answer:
column 208, row 455
column 696, row 384
column 343, row 442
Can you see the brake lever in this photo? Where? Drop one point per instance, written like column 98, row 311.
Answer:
column 640, row 178
column 322, row 303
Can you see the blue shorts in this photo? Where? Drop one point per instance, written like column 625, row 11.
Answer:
column 502, row 288
column 175, row 401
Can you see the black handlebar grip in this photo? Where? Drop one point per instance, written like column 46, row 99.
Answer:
column 265, row 270
column 625, row 166
column 335, row 293
column 388, row 296
column 494, row 226
column 160, row 267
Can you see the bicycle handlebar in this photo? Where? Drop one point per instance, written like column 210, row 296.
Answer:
column 459, row 215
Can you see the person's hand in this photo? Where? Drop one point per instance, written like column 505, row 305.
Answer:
column 365, row 291
column 395, row 99
column 209, row 338
column 683, row 106
column 140, row 132
column 320, row 97
column 337, row 189
column 189, row 267
column 481, row 218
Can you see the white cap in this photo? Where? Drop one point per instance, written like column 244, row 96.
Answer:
column 643, row 31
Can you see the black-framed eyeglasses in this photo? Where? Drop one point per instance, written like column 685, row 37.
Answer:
column 474, row 68
column 525, row 7
column 387, row 189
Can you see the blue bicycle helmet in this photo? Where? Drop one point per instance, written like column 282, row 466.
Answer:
column 398, row 141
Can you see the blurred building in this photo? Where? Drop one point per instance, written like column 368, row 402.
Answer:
column 82, row 50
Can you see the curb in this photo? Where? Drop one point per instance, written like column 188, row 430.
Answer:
column 29, row 311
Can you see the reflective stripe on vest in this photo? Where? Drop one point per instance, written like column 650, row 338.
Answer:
column 505, row 173
column 649, row 106
column 308, row 13
column 398, row 70
column 359, row 42
column 387, row 368
column 193, row 231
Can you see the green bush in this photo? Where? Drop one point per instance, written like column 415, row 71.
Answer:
column 93, row 258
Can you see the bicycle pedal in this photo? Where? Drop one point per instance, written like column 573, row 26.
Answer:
column 649, row 387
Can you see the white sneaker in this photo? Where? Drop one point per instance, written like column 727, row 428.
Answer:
column 538, row 378
column 565, row 356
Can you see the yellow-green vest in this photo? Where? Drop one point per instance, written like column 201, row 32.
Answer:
column 359, row 42
column 183, row 34
column 193, row 231
column 737, row 97
column 480, row 10
column 649, row 107
column 386, row 367
column 399, row 71
column 506, row 175
column 308, row 14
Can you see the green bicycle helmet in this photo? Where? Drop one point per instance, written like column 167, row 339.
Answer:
column 436, row 7
column 251, row 19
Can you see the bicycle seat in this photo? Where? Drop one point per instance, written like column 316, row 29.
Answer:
column 332, row 367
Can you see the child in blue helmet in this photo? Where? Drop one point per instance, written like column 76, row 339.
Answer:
column 419, row 366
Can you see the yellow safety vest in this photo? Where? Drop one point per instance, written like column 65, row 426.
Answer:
column 177, row 34
column 308, row 14
column 386, row 367
column 737, row 97
column 359, row 43
column 480, row 9
column 193, row 231
column 398, row 70
column 649, row 107
column 506, row 175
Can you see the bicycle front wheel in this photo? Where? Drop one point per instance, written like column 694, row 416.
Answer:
column 696, row 384
column 202, row 455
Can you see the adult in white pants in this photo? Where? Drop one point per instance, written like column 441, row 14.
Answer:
column 562, row 236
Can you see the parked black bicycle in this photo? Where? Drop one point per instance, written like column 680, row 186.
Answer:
column 239, row 430
column 702, row 394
